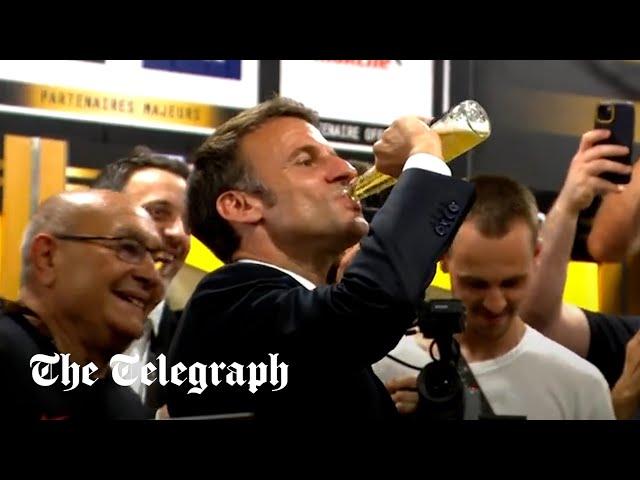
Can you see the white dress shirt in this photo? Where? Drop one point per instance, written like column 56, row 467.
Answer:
column 141, row 347
column 308, row 284
column 429, row 162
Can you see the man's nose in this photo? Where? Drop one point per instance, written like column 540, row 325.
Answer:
column 340, row 171
column 175, row 229
column 494, row 301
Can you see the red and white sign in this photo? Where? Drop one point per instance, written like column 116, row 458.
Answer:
column 371, row 91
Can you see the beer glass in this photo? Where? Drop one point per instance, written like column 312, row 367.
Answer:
column 461, row 128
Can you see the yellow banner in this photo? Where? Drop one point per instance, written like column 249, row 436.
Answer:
column 120, row 106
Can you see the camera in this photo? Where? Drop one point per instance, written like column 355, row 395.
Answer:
column 447, row 389
column 605, row 113
column 438, row 318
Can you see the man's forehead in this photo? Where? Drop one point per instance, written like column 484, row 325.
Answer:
column 471, row 246
column 300, row 131
column 492, row 270
column 316, row 135
column 471, row 233
column 137, row 224
column 152, row 175
column 122, row 220
column 284, row 132
column 154, row 185
column 114, row 212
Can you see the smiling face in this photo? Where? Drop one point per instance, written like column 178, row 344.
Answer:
column 105, row 298
column 162, row 194
column 307, row 181
column 490, row 276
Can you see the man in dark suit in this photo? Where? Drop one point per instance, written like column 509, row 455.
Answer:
column 270, row 197
column 158, row 184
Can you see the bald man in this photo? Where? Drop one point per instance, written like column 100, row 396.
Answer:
column 90, row 278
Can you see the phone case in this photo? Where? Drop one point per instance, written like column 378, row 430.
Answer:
column 619, row 117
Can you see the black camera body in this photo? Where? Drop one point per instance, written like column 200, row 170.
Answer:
column 447, row 389
column 438, row 318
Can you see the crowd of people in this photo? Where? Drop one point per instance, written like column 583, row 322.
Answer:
column 313, row 315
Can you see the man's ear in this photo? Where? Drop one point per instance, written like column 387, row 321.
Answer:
column 239, row 207
column 537, row 248
column 41, row 258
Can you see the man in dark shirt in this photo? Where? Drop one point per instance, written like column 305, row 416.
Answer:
column 614, row 348
column 611, row 343
column 89, row 280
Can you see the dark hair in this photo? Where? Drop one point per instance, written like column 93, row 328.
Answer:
column 499, row 202
column 218, row 168
column 116, row 175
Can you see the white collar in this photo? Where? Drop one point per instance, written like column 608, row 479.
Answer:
column 154, row 317
column 309, row 285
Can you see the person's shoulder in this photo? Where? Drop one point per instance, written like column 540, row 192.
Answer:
column 233, row 284
column 18, row 346
column 243, row 274
column 622, row 326
column 560, row 357
column 14, row 338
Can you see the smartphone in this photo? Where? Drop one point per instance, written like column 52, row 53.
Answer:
column 619, row 117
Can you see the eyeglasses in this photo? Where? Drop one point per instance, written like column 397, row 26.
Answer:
column 127, row 249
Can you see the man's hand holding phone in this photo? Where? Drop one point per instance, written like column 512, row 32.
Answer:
column 618, row 117
column 584, row 179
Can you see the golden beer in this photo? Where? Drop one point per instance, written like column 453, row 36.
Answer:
column 462, row 128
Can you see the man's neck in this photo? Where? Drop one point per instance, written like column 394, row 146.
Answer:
column 65, row 338
column 477, row 348
column 315, row 269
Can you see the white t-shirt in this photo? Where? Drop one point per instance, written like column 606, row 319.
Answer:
column 539, row 379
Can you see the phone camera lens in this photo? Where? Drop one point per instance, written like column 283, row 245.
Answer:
column 605, row 112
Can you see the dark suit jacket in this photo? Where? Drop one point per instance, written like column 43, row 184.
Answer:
column 22, row 399
column 167, row 328
column 159, row 345
column 330, row 336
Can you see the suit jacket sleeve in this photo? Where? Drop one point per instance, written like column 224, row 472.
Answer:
column 356, row 321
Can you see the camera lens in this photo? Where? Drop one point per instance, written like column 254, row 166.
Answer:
column 605, row 112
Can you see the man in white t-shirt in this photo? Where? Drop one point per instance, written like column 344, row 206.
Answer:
column 520, row 371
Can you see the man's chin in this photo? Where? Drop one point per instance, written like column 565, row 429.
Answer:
column 360, row 227
column 354, row 234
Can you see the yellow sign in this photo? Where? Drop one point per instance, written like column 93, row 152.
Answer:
column 119, row 106
column 201, row 257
